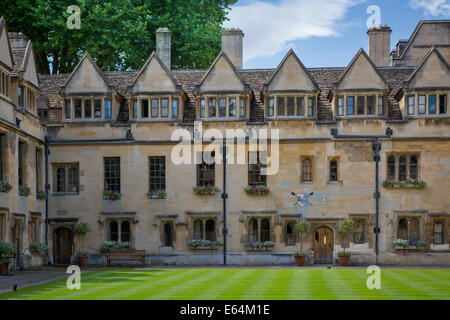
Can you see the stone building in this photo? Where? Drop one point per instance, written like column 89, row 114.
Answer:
column 112, row 135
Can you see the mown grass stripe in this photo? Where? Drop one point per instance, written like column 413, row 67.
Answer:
column 233, row 278
column 298, row 288
column 318, row 285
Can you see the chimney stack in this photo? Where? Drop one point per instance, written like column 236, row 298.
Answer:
column 163, row 45
column 380, row 45
column 18, row 40
column 232, row 39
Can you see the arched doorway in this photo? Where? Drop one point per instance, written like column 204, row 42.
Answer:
column 323, row 245
column 62, row 245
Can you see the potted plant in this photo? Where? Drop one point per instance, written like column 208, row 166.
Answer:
column 81, row 229
column 203, row 244
column 5, row 186
column 301, row 228
column 257, row 190
column 346, row 227
column 6, row 253
column 37, row 248
column 160, row 194
column 206, row 190
column 24, row 191
column 41, row 195
column 111, row 195
column 108, row 245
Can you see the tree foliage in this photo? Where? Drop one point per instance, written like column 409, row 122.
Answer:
column 119, row 34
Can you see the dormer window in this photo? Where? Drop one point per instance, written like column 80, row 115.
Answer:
column 360, row 105
column 108, row 108
column 290, row 106
column 155, row 108
column 87, row 108
column 423, row 104
column 221, row 107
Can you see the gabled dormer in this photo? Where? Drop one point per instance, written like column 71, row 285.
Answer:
column 291, row 91
column 87, row 94
column 154, row 94
column 426, row 91
column 6, row 62
column 361, row 90
column 222, row 94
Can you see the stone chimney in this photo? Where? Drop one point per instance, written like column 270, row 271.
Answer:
column 232, row 39
column 18, row 40
column 163, row 45
column 380, row 45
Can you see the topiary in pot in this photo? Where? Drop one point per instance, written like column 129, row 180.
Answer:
column 346, row 227
column 81, row 229
column 301, row 228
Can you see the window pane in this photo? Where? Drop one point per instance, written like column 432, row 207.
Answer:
column 87, row 109
column 212, row 107
column 370, row 105
column 311, row 106
column 112, row 174
column 243, row 108
column 113, row 231
column 306, row 170
column 413, row 229
column 21, row 163
column 155, row 108
column 333, row 170
column 413, row 167
column 198, row 230
column 20, row 95
column 432, row 104
column 210, row 232
column 265, row 230
column 108, row 109
column 202, row 108
column 206, row 173
column 72, row 181
column 97, row 108
column 391, row 168
column 291, row 106
column 232, row 107
column 68, row 109
column 301, row 106
column 255, row 165
column 60, row 180
column 438, row 233
column 157, row 167
column 144, row 108
column 350, row 105
column 402, row 168
column 340, row 106
column 164, row 108
column 411, row 104
column 135, row 109
column 381, row 106
column 280, row 106
column 77, row 103
column 125, row 235
column 175, row 108
column 360, row 102
column 270, row 110
column 222, row 107
column 422, row 104
column 168, row 238
column 442, row 104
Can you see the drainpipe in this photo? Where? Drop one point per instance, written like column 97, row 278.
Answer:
column 224, row 198
column 376, row 148
column 47, row 187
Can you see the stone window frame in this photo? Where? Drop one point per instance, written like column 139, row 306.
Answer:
column 203, row 217
column 162, row 171
column 34, row 222
column 203, row 221
column 409, row 219
column 160, row 223
column 120, row 221
column 119, row 178
column 203, row 167
column 91, row 98
column 397, row 156
column 203, row 101
column 285, row 221
column 302, row 167
column 338, row 170
column 138, row 98
column 247, row 216
column 254, row 170
column 39, row 169
column 22, row 163
column 380, row 101
column 164, row 234
column 300, row 96
column 5, row 82
column 66, row 166
column 427, row 94
column 368, row 222
column 445, row 220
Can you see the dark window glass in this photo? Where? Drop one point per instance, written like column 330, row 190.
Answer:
column 290, row 239
column 402, row 232
column 243, row 108
column 155, row 108
column 72, row 181
column 168, row 234
column 432, row 104
column 60, row 179
column 212, row 107
column 255, row 165
column 253, row 230
column 97, row 108
column 350, row 105
column 164, row 108
column 112, row 174
column 125, row 234
column 391, row 168
column 380, row 105
column 198, row 230
column 135, row 109
column 311, row 106
column 306, row 170
column 442, row 104
column 206, row 172
column 21, row 164
column 87, row 109
column 113, row 231
column 77, row 106
column 301, row 106
column 360, row 103
column 370, row 105
column 413, row 167
column 280, row 107
column 157, row 167
column 402, row 168
column 222, row 107
column 21, row 98
column 232, row 107
column 413, row 229
column 2, row 155
column 438, row 233
column 291, row 106
column 38, row 169
column 333, row 170
column 210, row 230
column 144, row 108
column 202, row 108
column 359, row 233
column 265, row 230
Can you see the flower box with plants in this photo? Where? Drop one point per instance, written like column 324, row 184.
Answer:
column 257, row 190
column 403, row 244
column 301, row 228
column 346, row 228
column 6, row 255
column 111, row 195
column 259, row 246
column 116, row 245
column 203, row 244
column 206, row 190
column 41, row 195
column 5, row 186
column 24, row 191
column 160, row 194
column 81, row 230
column 38, row 248
column 409, row 183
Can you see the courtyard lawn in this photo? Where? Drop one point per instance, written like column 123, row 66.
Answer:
column 245, row 283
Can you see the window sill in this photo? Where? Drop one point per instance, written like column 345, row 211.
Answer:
column 361, row 117
column 258, row 249
column 224, row 119
column 154, row 120
column 291, row 118
column 427, row 116
column 306, row 182
column 65, row 193
column 336, row 183
column 202, row 248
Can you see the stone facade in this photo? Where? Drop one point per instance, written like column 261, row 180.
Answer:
column 113, row 132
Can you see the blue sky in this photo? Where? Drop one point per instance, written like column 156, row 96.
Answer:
column 323, row 33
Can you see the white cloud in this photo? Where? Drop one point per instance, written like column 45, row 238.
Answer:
column 270, row 27
column 432, row 7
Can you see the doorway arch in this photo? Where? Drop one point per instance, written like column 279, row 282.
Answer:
column 323, row 244
column 62, row 245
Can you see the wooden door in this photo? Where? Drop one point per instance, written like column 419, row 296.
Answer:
column 62, row 245
column 323, row 245
column 17, row 238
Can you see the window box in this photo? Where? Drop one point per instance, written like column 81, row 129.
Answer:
column 111, row 195
column 203, row 244
column 439, row 247
column 401, row 244
column 206, row 190
column 257, row 190
column 410, row 183
column 161, row 194
column 41, row 195
column 24, row 191
column 259, row 246
column 5, row 186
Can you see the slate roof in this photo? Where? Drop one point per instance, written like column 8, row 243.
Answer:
column 255, row 78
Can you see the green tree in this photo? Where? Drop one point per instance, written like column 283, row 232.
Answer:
column 119, row 34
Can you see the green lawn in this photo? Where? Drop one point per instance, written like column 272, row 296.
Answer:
column 224, row 284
